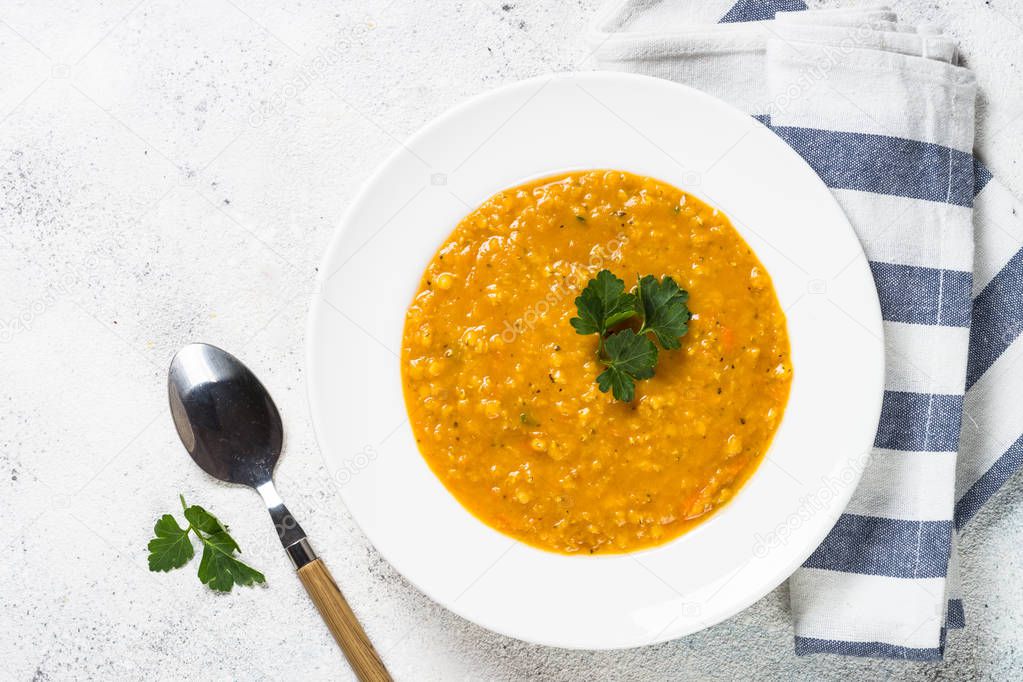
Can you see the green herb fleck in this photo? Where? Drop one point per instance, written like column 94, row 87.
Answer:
column 526, row 419
column 219, row 568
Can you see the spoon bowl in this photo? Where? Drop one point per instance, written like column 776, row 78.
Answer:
column 225, row 417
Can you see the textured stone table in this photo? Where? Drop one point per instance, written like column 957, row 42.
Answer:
column 172, row 171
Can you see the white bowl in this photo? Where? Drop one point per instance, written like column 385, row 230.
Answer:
column 650, row 127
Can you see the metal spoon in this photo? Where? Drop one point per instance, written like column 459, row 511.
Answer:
column 230, row 426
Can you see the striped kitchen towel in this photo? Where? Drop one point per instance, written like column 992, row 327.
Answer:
column 884, row 114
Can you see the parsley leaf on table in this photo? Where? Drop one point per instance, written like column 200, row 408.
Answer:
column 201, row 520
column 603, row 304
column 665, row 313
column 218, row 568
column 171, row 547
column 628, row 357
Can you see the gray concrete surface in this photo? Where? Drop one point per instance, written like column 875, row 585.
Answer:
column 172, row 171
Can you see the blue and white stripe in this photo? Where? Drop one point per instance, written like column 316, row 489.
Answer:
column 760, row 10
column 992, row 437
column 886, row 118
column 865, row 146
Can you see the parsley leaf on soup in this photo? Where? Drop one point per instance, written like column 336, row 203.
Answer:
column 219, row 568
column 665, row 314
column 603, row 304
column 628, row 357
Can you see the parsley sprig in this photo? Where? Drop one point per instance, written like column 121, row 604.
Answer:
column 630, row 355
column 219, row 568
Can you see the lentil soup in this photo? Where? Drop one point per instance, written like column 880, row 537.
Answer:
column 500, row 389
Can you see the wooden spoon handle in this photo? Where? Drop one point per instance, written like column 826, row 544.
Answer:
column 343, row 624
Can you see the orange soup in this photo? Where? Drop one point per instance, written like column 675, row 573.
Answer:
column 501, row 391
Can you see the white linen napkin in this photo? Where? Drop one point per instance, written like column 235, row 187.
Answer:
column 885, row 115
